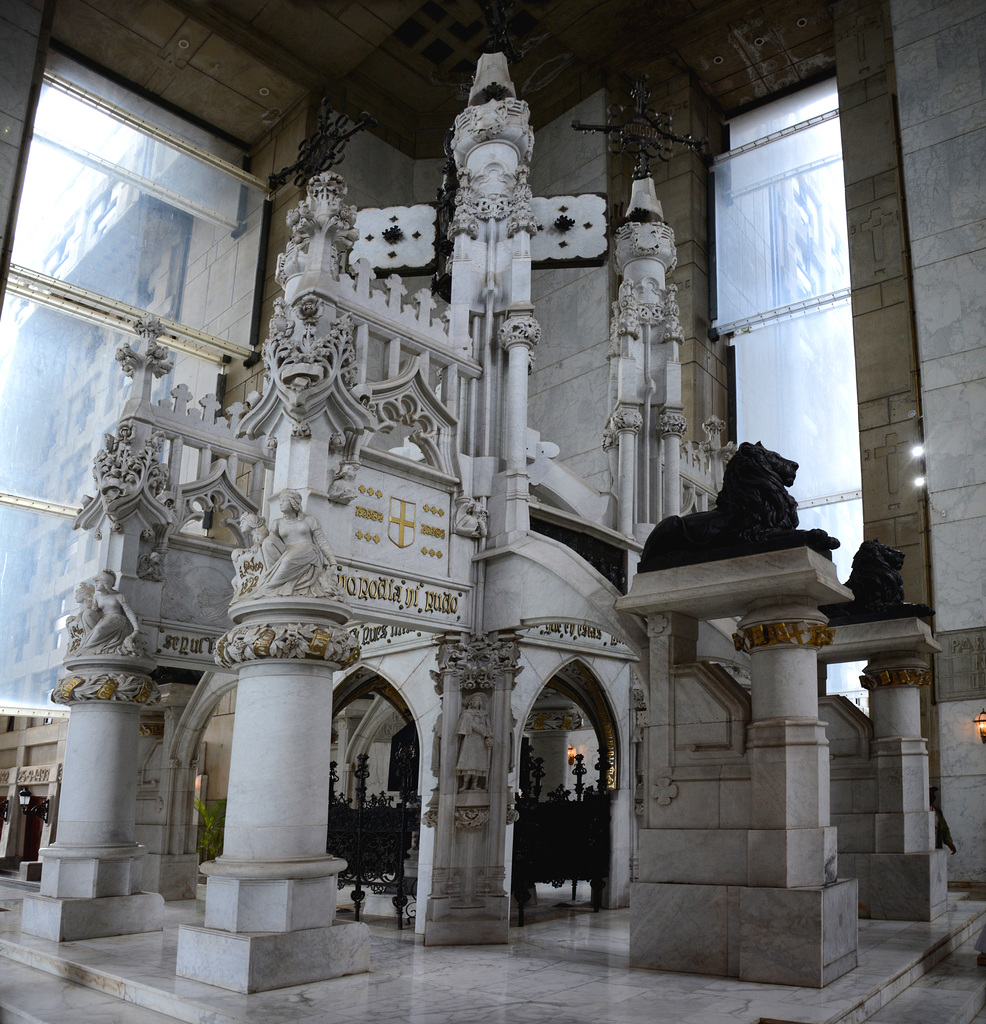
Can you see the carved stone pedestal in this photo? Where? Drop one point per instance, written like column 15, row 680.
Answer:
column 270, row 897
column 469, row 902
column 738, row 861
column 92, row 874
column 902, row 876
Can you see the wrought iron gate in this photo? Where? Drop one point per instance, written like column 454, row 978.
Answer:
column 559, row 838
column 373, row 835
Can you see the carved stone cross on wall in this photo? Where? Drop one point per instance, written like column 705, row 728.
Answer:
column 889, row 451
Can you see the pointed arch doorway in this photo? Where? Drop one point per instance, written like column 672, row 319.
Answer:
column 567, row 775
column 374, row 807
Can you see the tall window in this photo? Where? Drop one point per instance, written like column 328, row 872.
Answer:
column 126, row 210
column 783, row 297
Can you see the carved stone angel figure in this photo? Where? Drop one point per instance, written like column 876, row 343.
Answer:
column 107, row 624
column 297, row 558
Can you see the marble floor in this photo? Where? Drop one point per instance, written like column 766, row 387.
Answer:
column 569, row 966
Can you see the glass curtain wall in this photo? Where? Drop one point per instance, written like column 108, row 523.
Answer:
column 118, row 213
column 783, row 300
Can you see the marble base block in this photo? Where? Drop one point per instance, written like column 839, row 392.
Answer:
column 66, row 920
column 174, row 876
column 453, row 926
column 803, row 937
column 260, row 961
column 683, row 927
column 86, row 873
column 789, row 858
column 908, row 886
column 269, row 905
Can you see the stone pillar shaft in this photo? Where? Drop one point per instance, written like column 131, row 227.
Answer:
column 91, row 878
column 102, row 813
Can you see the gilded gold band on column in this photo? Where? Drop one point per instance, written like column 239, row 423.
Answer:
column 770, row 634
column 897, row 677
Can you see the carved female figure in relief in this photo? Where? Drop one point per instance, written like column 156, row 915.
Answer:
column 472, row 767
column 113, row 620
column 297, row 557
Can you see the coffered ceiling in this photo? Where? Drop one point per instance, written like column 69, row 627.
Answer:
column 240, row 64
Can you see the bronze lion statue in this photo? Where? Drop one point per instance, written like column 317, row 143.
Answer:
column 753, row 507
column 878, row 591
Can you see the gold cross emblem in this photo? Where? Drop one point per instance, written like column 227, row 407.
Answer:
column 401, row 526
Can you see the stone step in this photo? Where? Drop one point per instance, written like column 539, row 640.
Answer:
column 60, row 1001
column 953, row 992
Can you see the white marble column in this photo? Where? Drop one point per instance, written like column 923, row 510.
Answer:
column 91, row 878
column 270, row 897
column 672, row 425
column 519, row 333
column 626, row 421
column 791, row 843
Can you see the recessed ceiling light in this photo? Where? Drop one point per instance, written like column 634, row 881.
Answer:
column 182, row 44
column 919, row 481
column 717, row 60
column 801, row 22
column 917, row 451
column 265, row 91
column 758, row 41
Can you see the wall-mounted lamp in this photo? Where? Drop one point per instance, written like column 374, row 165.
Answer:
column 980, row 721
column 571, row 754
column 4, row 808
column 39, row 810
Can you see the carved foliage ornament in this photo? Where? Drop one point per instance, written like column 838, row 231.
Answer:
column 672, row 424
column 471, row 817
column 514, row 206
column 135, row 689
column 303, row 640
column 476, row 663
column 124, row 469
column 304, row 365
column 520, row 330
column 626, row 418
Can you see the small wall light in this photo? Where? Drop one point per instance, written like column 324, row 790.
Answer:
column 980, row 721
column 39, row 810
column 571, row 753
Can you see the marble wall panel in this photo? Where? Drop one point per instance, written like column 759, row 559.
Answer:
column 963, row 762
column 949, row 306
column 856, row 834
column 693, row 856
column 679, row 927
column 960, row 573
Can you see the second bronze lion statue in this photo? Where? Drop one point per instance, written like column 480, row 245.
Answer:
column 753, row 506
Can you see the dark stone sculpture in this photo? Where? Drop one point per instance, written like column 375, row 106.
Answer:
column 753, row 512
column 878, row 591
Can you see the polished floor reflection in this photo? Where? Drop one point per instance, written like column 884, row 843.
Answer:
column 569, row 965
